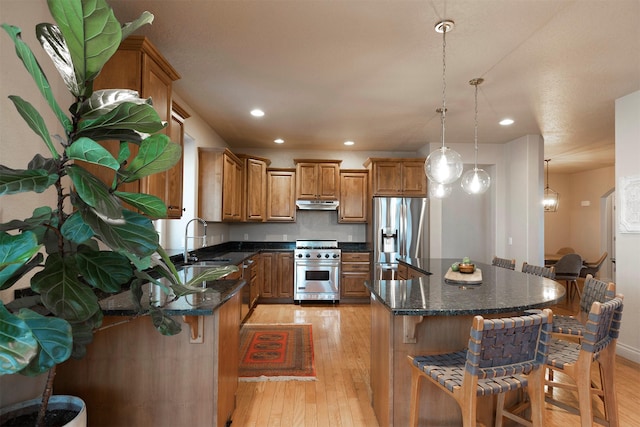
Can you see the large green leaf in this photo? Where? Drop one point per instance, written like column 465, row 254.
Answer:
column 134, row 236
column 41, row 215
column 17, row 344
column 101, row 134
column 14, row 181
column 35, row 122
column 129, row 27
column 157, row 154
column 54, row 341
column 75, row 230
column 89, row 151
column 104, row 270
column 31, row 64
column 15, row 251
column 56, row 47
column 166, row 325
column 94, row 193
column 83, row 334
column 139, row 117
column 41, row 162
column 104, row 101
column 62, row 292
column 8, row 279
column 92, row 32
column 149, row 205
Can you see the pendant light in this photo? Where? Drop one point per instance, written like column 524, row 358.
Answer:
column 551, row 197
column 475, row 181
column 444, row 165
column 439, row 191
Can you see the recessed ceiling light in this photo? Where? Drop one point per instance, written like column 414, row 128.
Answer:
column 349, row 143
column 279, row 141
column 256, row 112
column 506, row 122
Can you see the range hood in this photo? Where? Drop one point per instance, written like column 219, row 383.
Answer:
column 317, row 205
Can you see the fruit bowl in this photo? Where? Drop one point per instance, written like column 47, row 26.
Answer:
column 466, row 268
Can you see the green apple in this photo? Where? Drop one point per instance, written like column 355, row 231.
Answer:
column 466, row 260
column 454, row 266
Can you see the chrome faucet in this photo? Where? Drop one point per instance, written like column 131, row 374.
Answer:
column 187, row 257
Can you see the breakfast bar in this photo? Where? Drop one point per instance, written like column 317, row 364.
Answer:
column 429, row 314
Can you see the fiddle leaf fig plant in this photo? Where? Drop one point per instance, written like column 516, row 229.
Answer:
column 85, row 242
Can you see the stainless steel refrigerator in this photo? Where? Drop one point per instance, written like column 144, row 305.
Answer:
column 400, row 228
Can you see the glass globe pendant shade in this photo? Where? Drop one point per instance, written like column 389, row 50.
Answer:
column 475, row 181
column 439, row 191
column 443, row 166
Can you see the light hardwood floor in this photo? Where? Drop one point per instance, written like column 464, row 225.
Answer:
column 341, row 394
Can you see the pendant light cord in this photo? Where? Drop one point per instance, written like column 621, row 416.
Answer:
column 444, row 80
column 475, row 129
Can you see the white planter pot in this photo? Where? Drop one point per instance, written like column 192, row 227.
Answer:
column 55, row 402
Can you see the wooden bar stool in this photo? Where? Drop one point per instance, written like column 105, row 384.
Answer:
column 598, row 344
column 538, row 270
column 504, row 263
column 503, row 354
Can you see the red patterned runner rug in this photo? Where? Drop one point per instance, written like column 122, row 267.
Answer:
column 278, row 352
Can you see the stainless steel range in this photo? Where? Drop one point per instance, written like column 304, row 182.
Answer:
column 317, row 270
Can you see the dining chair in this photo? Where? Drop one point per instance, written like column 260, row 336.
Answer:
column 504, row 263
column 575, row 361
column 503, row 354
column 566, row 250
column 593, row 267
column 568, row 269
column 538, row 270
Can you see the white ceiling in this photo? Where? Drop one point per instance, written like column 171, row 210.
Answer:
column 371, row 71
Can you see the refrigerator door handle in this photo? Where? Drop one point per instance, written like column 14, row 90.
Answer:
column 403, row 229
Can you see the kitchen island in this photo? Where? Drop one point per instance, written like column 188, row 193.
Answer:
column 430, row 315
column 134, row 376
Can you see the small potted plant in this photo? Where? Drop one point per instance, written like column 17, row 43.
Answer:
column 86, row 242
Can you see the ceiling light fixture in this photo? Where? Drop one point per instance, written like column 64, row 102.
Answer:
column 551, row 197
column 475, row 181
column 279, row 141
column 256, row 112
column 349, row 143
column 444, row 165
column 439, row 191
column 506, row 122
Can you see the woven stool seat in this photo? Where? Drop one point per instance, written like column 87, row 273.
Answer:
column 448, row 370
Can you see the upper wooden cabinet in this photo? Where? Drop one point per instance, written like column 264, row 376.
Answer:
column 254, row 183
column 219, row 185
column 354, row 196
column 397, row 177
column 139, row 66
column 174, row 175
column 317, row 179
column 281, row 202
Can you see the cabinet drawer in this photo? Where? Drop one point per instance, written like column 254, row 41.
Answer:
column 359, row 267
column 355, row 256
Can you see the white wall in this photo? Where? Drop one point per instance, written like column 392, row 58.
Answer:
column 628, row 245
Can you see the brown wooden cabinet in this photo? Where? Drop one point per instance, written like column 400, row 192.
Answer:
column 281, row 202
column 174, row 175
column 397, row 177
column 219, row 185
column 354, row 196
column 355, row 269
column 317, row 179
column 407, row 273
column 254, row 184
column 139, row 66
column 277, row 278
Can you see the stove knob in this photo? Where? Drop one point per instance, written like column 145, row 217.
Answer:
column 319, row 255
column 336, row 255
column 308, row 256
column 326, row 255
column 299, row 255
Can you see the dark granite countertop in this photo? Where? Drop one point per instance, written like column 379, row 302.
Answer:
column 501, row 291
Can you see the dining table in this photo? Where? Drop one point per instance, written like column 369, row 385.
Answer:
column 432, row 314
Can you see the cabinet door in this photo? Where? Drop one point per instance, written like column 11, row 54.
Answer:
column 174, row 175
column 231, row 185
column 354, row 198
column 255, row 189
column 352, row 285
column 268, row 269
column 228, row 359
column 285, row 275
column 328, row 181
column 281, row 188
column 387, row 178
column 307, row 181
column 414, row 180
